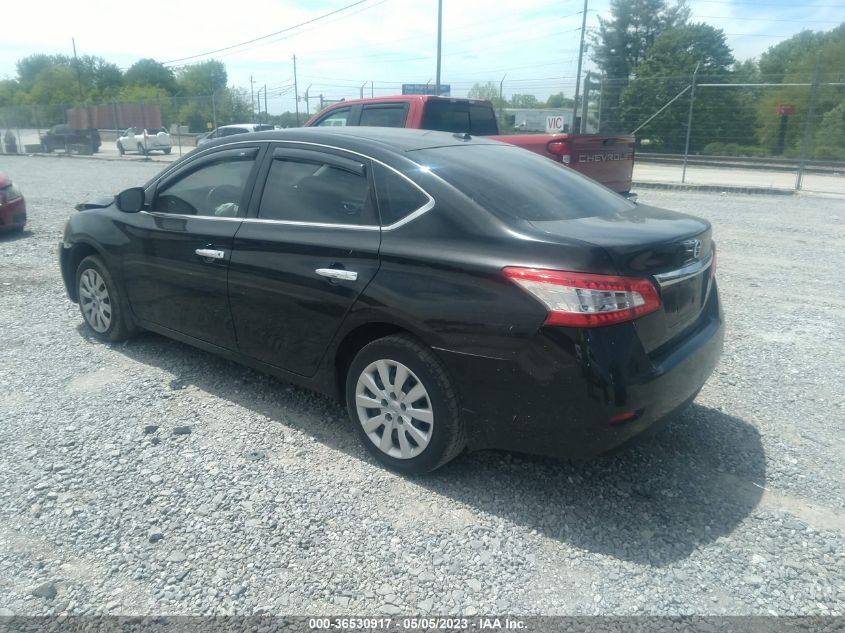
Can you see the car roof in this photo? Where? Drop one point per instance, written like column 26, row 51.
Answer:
column 364, row 139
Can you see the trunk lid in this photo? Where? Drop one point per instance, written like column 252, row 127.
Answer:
column 674, row 250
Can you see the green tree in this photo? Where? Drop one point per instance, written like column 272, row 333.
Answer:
column 524, row 101
column 667, row 69
column 559, row 101
column 621, row 43
column 202, row 79
column 798, row 66
column 149, row 72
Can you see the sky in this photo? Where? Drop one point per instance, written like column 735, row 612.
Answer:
column 376, row 45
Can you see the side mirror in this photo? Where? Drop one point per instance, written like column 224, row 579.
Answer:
column 131, row 200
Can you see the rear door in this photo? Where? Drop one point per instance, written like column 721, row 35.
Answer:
column 178, row 254
column 302, row 257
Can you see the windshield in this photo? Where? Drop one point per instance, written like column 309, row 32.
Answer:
column 513, row 183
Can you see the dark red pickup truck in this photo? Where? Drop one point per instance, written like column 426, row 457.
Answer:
column 606, row 159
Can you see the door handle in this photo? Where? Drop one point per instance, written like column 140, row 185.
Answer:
column 337, row 273
column 210, row 253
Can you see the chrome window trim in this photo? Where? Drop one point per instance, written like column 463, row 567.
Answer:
column 684, row 273
column 183, row 216
column 354, row 227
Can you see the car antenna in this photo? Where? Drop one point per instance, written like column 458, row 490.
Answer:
column 463, row 137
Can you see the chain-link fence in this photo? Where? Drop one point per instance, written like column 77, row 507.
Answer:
column 786, row 133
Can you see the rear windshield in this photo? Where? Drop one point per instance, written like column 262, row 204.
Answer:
column 460, row 117
column 262, row 127
column 514, row 183
column 231, row 131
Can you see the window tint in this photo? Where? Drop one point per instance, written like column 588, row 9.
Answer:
column 513, row 183
column 384, row 116
column 230, row 131
column 215, row 189
column 336, row 118
column 459, row 117
column 303, row 191
column 263, row 127
column 397, row 198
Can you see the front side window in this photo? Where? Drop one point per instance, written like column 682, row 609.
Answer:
column 215, row 189
column 338, row 118
column 314, row 192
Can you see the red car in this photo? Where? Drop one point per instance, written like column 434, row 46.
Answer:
column 12, row 206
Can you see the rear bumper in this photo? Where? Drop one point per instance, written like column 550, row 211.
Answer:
column 558, row 397
column 13, row 215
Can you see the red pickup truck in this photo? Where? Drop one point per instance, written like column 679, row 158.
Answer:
column 606, row 159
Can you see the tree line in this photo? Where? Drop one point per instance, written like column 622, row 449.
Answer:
column 47, row 84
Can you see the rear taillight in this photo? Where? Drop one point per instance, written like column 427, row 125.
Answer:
column 586, row 300
column 561, row 150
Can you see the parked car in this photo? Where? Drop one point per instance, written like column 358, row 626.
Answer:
column 62, row 136
column 144, row 141
column 230, row 130
column 12, row 206
column 606, row 159
column 453, row 292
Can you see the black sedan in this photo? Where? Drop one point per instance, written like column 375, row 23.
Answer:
column 455, row 292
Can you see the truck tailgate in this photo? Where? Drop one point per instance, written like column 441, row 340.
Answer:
column 606, row 159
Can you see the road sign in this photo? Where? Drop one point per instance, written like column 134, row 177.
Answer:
column 554, row 124
column 785, row 109
column 426, row 89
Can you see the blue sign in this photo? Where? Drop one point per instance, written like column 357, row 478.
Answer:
column 426, row 89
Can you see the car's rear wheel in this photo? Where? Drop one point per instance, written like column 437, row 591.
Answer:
column 168, row 150
column 120, row 149
column 403, row 405
column 101, row 303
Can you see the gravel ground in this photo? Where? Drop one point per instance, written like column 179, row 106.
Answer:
column 149, row 477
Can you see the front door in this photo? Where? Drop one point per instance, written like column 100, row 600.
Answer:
column 177, row 260
column 302, row 257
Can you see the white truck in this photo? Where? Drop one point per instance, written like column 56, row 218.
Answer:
column 144, row 140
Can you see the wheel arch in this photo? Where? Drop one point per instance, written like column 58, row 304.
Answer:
column 78, row 252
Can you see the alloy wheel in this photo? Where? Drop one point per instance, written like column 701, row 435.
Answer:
column 394, row 409
column 95, row 301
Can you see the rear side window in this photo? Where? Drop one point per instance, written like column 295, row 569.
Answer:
column 516, row 184
column 397, row 198
column 338, row 118
column 460, row 117
column 384, row 115
column 263, row 127
column 231, row 131
column 314, row 192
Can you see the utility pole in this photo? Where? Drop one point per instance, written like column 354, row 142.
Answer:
column 252, row 97
column 372, row 90
column 580, row 59
column 585, row 98
column 689, row 123
column 76, row 63
column 295, row 91
column 439, row 42
column 308, row 102
column 213, row 111
column 502, row 88
column 266, row 112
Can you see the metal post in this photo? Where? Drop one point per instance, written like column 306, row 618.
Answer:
column 601, row 92
column 266, row 112
column 689, row 123
column 580, row 59
column 213, row 112
column 308, row 101
column 585, row 98
column 321, row 101
column 372, row 90
column 363, row 85
column 295, row 91
column 76, row 63
column 252, row 97
column 439, row 43
column 808, row 127
column 179, row 130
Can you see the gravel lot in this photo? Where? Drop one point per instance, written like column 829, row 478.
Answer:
column 269, row 505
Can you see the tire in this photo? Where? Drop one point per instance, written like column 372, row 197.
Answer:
column 168, row 150
column 432, row 437
column 120, row 149
column 108, row 318
column 141, row 150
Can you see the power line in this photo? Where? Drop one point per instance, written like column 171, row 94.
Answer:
column 264, row 37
